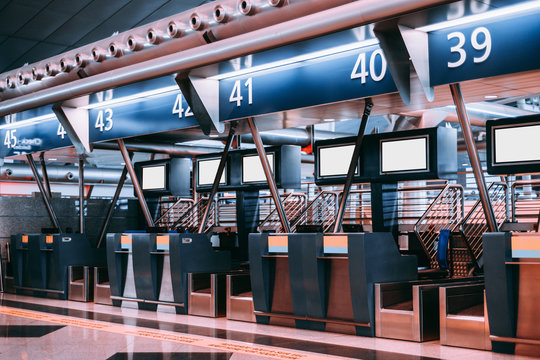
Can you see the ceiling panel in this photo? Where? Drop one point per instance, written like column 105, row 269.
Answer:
column 91, row 16
column 127, row 18
column 51, row 18
column 37, row 52
column 12, row 49
column 170, row 8
column 22, row 11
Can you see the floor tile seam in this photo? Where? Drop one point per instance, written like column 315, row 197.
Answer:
column 164, row 335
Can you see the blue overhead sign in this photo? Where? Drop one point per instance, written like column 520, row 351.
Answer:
column 344, row 76
column 484, row 49
column 157, row 113
column 18, row 139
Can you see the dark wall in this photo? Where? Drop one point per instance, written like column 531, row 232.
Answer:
column 29, row 215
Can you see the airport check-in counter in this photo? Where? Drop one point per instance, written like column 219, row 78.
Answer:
column 512, row 271
column 240, row 297
column 324, row 282
column 463, row 316
column 410, row 310
column 152, row 269
column 41, row 261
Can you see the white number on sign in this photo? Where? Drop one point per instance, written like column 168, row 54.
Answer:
column 10, row 140
column 104, row 121
column 360, row 67
column 236, row 93
column 179, row 109
column 480, row 41
column 61, row 132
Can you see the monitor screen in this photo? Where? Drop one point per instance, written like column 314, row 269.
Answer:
column 153, row 177
column 335, row 160
column 516, row 144
column 252, row 170
column 206, row 172
column 402, row 155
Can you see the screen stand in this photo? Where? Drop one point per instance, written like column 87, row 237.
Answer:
column 384, row 208
column 247, row 220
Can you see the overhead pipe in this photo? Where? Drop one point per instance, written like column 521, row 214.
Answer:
column 21, row 172
column 184, row 31
column 168, row 149
column 318, row 24
column 294, row 136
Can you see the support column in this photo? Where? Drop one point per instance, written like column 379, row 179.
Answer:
column 46, row 199
column 81, row 195
column 461, row 111
column 269, row 175
column 44, row 173
column 135, row 182
column 353, row 165
column 219, row 172
column 112, row 206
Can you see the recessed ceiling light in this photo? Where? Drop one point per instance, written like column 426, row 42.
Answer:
column 213, row 135
column 52, row 159
column 329, row 120
column 490, row 97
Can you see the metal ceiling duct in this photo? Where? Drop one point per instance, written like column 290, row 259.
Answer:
column 199, row 26
column 295, row 136
column 173, row 150
column 69, row 174
column 335, row 19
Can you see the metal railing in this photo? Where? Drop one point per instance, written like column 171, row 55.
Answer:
column 358, row 207
column 171, row 210
column 190, row 220
column 293, row 204
column 445, row 212
column 320, row 211
column 525, row 196
column 474, row 224
column 226, row 213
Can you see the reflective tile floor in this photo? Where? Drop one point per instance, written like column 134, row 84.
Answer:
column 36, row 328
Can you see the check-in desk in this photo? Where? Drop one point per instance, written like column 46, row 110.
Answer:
column 324, row 282
column 463, row 317
column 410, row 310
column 41, row 261
column 512, row 271
column 152, row 269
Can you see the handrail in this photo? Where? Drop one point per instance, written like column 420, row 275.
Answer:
column 173, row 206
column 322, row 215
column 285, row 202
column 450, row 196
column 514, row 197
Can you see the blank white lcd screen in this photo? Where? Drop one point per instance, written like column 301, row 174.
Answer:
column 404, row 155
column 335, row 160
column 517, row 144
column 153, row 177
column 252, row 170
column 207, row 170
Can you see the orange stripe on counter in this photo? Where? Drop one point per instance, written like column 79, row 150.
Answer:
column 25, row 239
column 186, row 339
column 125, row 239
column 335, row 241
column 280, row 240
column 530, row 242
column 162, row 240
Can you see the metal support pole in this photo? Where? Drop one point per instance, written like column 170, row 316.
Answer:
column 44, row 173
column 461, row 111
column 353, row 165
column 46, row 199
column 135, row 182
column 269, row 175
column 219, row 172
column 81, row 195
column 112, row 206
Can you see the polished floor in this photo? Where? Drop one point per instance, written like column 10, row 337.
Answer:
column 36, row 328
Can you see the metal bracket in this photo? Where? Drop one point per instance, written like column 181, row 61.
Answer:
column 76, row 124
column 202, row 95
column 396, row 54
column 417, row 46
